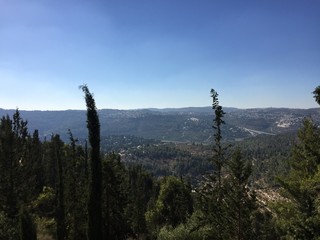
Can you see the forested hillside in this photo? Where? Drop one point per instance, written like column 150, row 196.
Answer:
column 130, row 187
column 182, row 124
column 269, row 155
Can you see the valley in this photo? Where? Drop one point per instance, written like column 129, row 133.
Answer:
column 170, row 125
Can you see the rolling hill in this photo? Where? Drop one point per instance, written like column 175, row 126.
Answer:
column 181, row 124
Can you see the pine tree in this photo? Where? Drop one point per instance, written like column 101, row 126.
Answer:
column 218, row 157
column 95, row 178
column 298, row 216
column 212, row 190
column 239, row 199
column 226, row 203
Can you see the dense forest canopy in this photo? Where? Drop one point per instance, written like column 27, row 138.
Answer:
column 129, row 187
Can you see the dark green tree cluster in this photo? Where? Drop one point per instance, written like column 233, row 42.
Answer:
column 62, row 187
column 298, row 213
column 141, row 188
column 172, row 206
column 19, row 170
column 55, row 190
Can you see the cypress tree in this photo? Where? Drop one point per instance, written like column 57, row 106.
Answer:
column 37, row 170
column 94, row 231
column 60, row 211
column 316, row 94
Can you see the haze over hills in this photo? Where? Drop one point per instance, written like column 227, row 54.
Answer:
column 171, row 124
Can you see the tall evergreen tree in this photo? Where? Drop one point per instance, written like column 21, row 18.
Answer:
column 76, row 194
column 239, row 199
column 72, row 186
column 8, row 180
column 13, row 142
column 8, row 168
column 36, row 167
column 60, row 191
column 218, row 157
column 211, row 191
column 95, row 178
column 140, row 189
column 316, row 94
column 225, row 200
column 115, row 197
column 298, row 216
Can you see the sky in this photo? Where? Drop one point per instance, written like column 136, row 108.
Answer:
column 159, row 53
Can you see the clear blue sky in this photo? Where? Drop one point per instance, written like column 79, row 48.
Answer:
column 159, row 53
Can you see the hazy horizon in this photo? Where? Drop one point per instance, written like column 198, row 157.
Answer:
column 149, row 108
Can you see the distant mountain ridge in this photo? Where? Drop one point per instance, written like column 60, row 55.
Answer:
column 192, row 124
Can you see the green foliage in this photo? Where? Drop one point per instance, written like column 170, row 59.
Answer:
column 219, row 151
column 187, row 231
column 76, row 184
column 164, row 159
column 316, row 93
column 181, row 232
column 173, row 206
column 298, row 216
column 211, row 192
column 225, row 200
column 232, row 217
column 269, row 156
column 44, row 204
column 95, row 180
column 140, row 190
column 33, row 172
column 114, row 198
column 263, row 225
column 28, row 229
column 57, row 146
column 240, row 201
column 124, row 201
column 13, row 158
